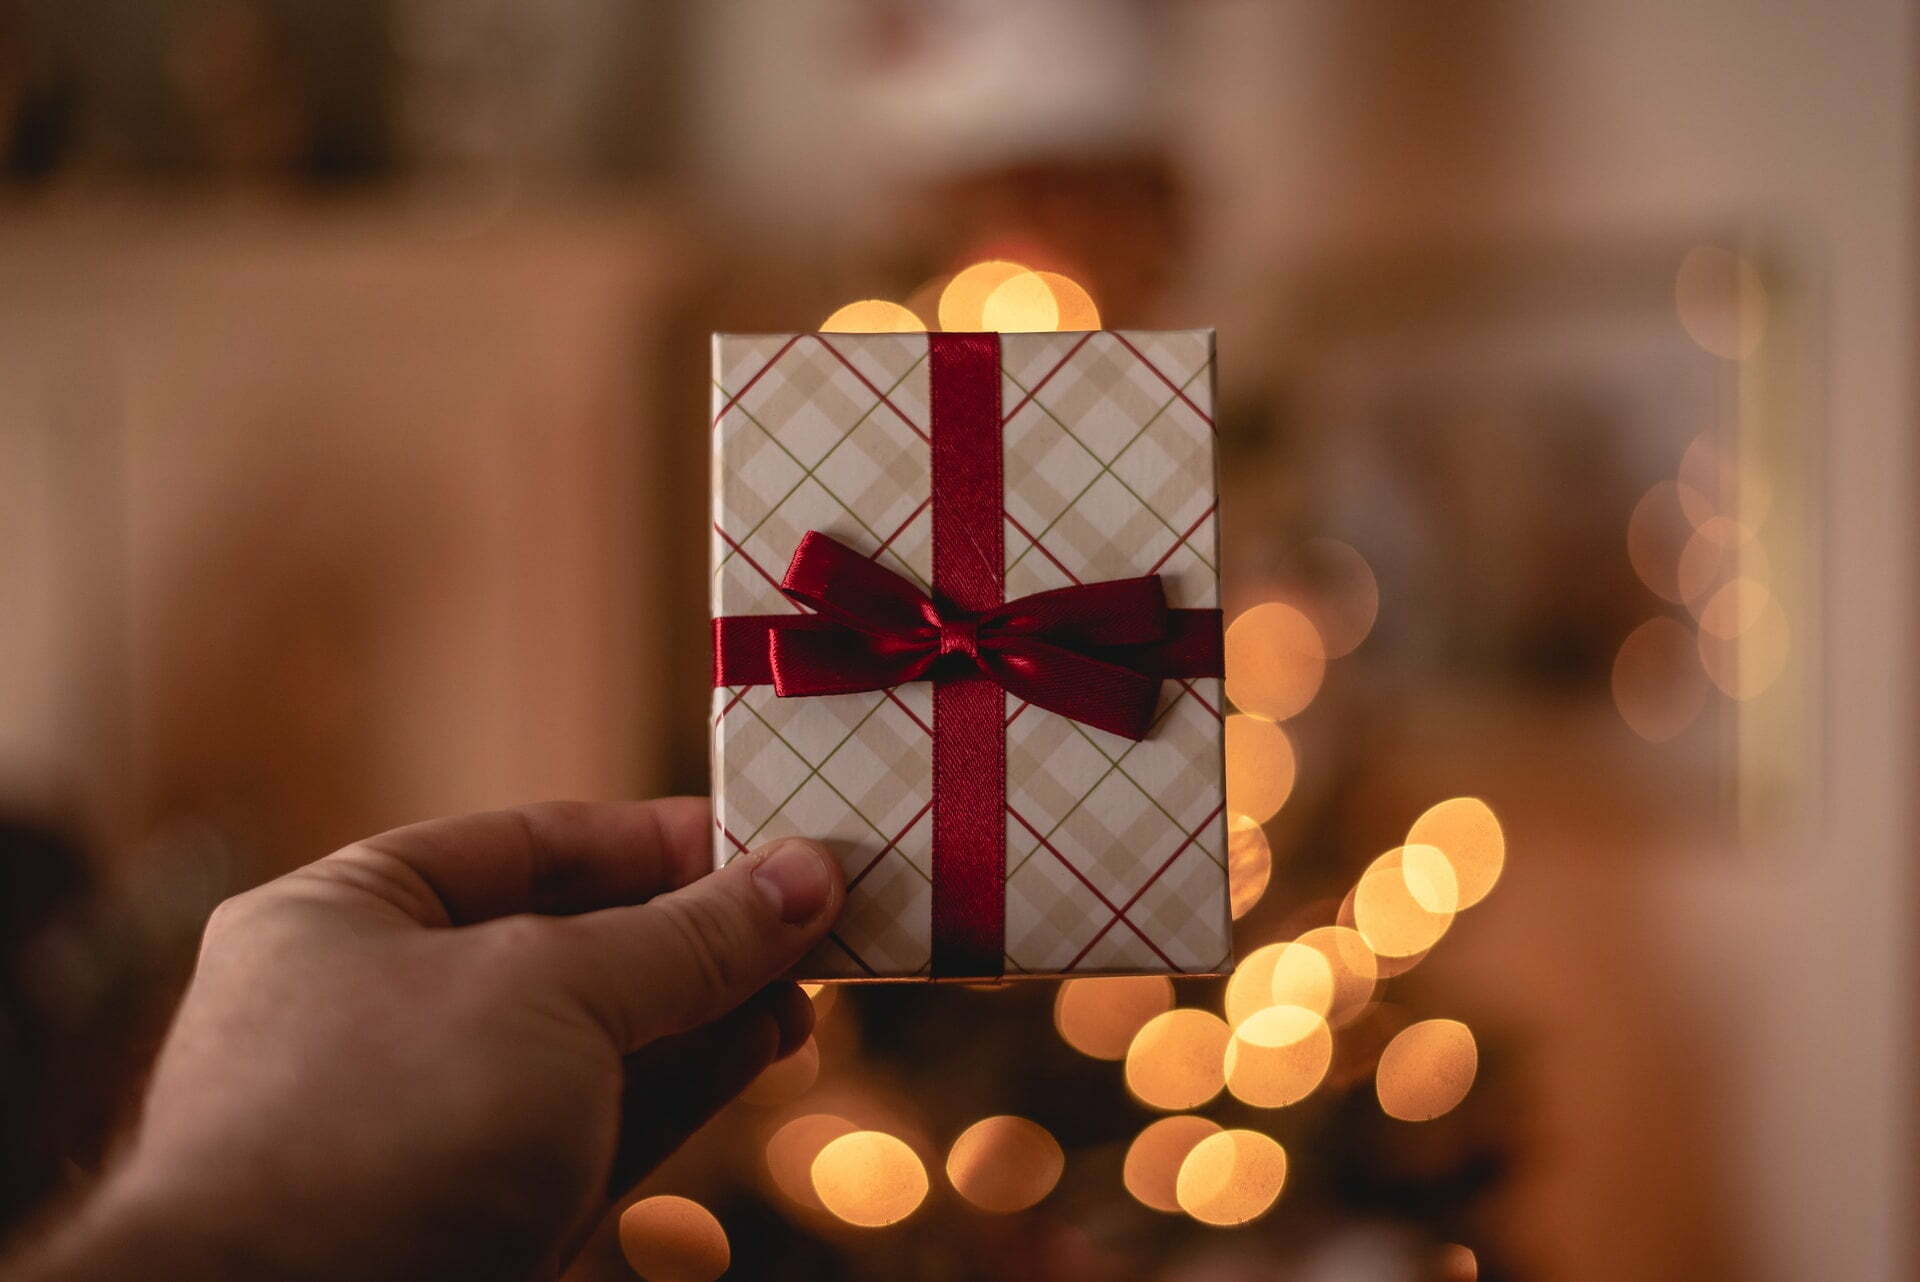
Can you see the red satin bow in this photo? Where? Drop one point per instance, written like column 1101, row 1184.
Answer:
column 1095, row 652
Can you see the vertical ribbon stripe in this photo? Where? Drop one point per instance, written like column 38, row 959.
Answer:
column 969, row 732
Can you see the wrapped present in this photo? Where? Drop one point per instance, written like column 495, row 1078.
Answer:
column 967, row 632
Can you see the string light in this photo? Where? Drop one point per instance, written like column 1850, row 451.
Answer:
column 1401, row 910
column 1073, row 304
column 1176, row 1061
column 1099, row 1015
column 1249, row 864
column 869, row 1178
column 1465, row 831
column 1231, row 1178
column 1748, row 667
column 673, row 1239
column 1659, row 686
column 872, row 316
column 792, row 1148
column 1260, row 767
column 1426, row 1070
column 964, row 299
column 1275, row 661
column 1348, row 597
column 1354, row 969
column 1005, row 1164
column 1278, row 1056
column 1021, row 304
column 1154, row 1158
column 1722, row 301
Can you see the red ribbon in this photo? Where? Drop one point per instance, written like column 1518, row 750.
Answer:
column 1095, row 652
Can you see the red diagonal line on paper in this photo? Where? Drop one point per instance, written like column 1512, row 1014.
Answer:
column 1024, row 705
column 1119, row 914
column 1177, row 391
column 855, row 370
column 1022, row 402
column 732, row 703
column 748, row 385
column 902, row 528
column 1179, row 850
column 1182, row 540
column 1042, row 547
column 909, row 711
column 744, row 556
column 739, row 846
column 1201, row 699
column 847, row 948
column 891, row 846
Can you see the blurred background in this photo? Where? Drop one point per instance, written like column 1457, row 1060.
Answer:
column 352, row 470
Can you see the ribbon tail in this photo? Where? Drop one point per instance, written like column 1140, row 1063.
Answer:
column 1103, row 695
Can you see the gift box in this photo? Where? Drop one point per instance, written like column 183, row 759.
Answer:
column 966, row 632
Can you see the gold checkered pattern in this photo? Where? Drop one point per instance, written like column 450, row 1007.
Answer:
column 1116, row 851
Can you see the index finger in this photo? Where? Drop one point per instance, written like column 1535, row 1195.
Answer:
column 556, row 857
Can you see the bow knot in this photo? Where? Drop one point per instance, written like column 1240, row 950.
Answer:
column 1095, row 652
column 961, row 636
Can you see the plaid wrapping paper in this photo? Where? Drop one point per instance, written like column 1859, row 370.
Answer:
column 1116, row 851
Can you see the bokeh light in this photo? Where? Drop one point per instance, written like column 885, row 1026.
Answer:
column 1659, row 686
column 1005, row 1164
column 1153, row 1160
column 1302, row 976
column 1260, row 767
column 1275, row 661
column 1354, row 969
column 1426, row 1070
column 673, row 1239
column 963, row 300
column 1249, row 864
column 1719, row 495
column 1656, row 532
column 1020, row 304
column 785, row 1079
column 1734, row 608
column 1250, row 986
column 1346, row 598
column 869, row 1178
column 792, row 1148
column 1099, row 1015
column 1466, row 832
column 872, row 316
column 1746, row 667
column 1458, row 1264
column 1177, row 1060
column 1722, row 301
column 1278, row 1056
column 1231, row 1178
column 1399, row 914
column 1073, row 304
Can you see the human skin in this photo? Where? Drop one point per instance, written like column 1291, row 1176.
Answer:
column 439, row 1052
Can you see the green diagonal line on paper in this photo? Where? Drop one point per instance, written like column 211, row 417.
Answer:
column 1113, row 764
column 813, row 769
column 1106, row 468
column 813, row 772
column 807, row 473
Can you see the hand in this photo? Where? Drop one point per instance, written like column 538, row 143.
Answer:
column 434, row 1053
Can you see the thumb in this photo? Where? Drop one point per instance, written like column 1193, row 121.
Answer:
column 686, row 958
